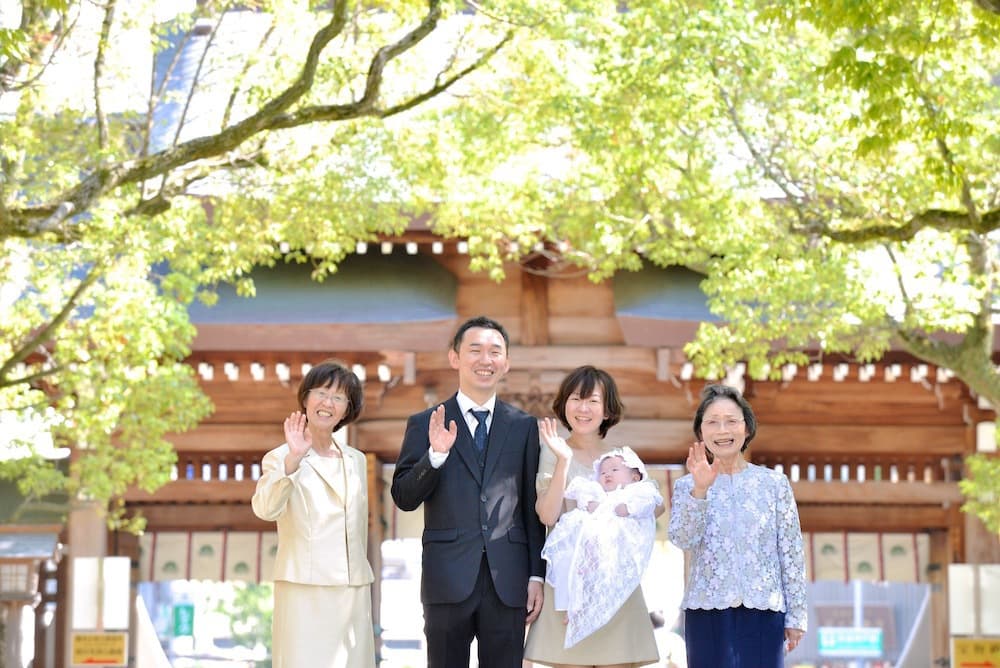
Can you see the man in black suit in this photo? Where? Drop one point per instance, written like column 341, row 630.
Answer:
column 482, row 568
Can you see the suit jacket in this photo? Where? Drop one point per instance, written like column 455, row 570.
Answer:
column 322, row 518
column 469, row 508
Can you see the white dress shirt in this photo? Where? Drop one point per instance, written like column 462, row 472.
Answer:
column 467, row 405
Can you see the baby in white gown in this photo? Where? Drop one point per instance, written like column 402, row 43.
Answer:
column 597, row 552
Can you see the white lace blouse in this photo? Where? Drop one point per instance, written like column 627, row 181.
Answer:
column 744, row 544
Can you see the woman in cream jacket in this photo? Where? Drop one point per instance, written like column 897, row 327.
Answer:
column 316, row 491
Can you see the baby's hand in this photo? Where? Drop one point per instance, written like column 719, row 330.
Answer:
column 592, row 506
column 621, row 510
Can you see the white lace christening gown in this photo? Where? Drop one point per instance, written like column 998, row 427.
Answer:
column 596, row 559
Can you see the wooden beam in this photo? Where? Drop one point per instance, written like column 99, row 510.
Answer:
column 846, row 440
column 917, row 497
column 667, row 441
column 325, row 339
column 658, row 441
column 872, row 518
column 196, row 491
column 647, row 379
column 238, row 438
column 638, row 331
column 565, row 358
column 201, row 517
column 644, row 399
column 877, row 493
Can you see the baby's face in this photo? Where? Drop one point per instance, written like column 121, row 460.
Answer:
column 613, row 473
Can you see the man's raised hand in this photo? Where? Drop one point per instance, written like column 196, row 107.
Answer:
column 441, row 438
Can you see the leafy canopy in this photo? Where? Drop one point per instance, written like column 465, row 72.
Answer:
column 828, row 166
column 150, row 155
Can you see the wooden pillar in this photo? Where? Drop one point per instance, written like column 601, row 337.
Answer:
column 48, row 645
column 88, row 537
column 534, row 309
column 57, row 659
column 937, row 577
column 981, row 546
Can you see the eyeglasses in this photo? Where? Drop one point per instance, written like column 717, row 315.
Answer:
column 324, row 395
column 728, row 423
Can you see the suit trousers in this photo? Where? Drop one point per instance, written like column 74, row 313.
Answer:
column 498, row 628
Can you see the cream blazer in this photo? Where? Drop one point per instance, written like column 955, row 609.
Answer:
column 322, row 518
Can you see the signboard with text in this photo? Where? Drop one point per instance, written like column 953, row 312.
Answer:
column 975, row 652
column 850, row 641
column 99, row 649
column 183, row 619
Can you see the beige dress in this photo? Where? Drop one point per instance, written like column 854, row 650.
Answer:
column 627, row 638
column 322, row 580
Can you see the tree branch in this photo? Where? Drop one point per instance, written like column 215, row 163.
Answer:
column 441, row 86
column 194, row 80
column 949, row 159
column 22, row 222
column 102, row 46
column 247, row 64
column 904, row 294
column 35, row 22
column 156, row 92
column 30, row 378
column 43, row 335
column 936, row 219
column 770, row 170
column 342, row 112
column 971, row 358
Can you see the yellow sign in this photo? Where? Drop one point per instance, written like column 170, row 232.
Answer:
column 100, row 649
column 975, row 652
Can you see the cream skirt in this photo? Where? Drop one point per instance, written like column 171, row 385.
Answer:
column 322, row 626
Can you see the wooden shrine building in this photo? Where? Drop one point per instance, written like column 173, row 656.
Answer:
column 871, row 449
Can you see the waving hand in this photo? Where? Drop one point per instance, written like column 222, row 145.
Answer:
column 704, row 474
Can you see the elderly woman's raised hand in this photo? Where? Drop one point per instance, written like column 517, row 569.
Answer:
column 704, row 474
column 549, row 433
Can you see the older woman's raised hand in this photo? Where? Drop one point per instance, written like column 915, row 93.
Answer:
column 298, row 438
column 704, row 474
column 549, row 433
column 296, row 435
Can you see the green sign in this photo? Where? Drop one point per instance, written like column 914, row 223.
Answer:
column 183, row 619
column 850, row 641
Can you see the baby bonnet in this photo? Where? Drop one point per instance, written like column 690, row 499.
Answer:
column 628, row 456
